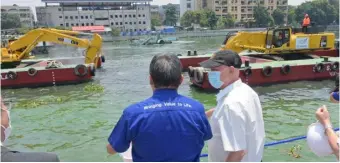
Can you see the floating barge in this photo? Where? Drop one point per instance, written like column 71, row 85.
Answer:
column 257, row 72
column 192, row 59
column 48, row 72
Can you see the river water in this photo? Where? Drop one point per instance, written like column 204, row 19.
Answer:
column 75, row 123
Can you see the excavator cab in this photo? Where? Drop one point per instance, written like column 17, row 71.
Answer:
column 278, row 38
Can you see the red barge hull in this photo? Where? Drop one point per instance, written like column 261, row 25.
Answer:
column 39, row 73
column 299, row 70
column 193, row 61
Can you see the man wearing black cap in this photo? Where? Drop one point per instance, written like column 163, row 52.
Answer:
column 236, row 122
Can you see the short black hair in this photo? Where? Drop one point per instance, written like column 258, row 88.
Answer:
column 166, row 71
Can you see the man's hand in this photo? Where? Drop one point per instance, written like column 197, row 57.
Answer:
column 209, row 112
column 110, row 150
column 235, row 156
column 323, row 116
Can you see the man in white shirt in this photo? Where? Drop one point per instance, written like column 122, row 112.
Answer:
column 236, row 122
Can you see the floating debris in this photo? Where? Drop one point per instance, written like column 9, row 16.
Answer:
column 295, row 151
column 93, row 88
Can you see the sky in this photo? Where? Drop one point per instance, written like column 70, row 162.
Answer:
column 33, row 3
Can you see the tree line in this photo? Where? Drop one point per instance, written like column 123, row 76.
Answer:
column 321, row 12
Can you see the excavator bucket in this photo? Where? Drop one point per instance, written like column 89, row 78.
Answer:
column 94, row 51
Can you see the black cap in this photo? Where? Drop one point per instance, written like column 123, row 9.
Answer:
column 223, row 57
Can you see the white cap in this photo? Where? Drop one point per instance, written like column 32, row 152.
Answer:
column 317, row 140
column 127, row 155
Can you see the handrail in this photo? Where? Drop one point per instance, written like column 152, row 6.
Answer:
column 278, row 142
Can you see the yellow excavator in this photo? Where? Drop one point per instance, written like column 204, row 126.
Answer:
column 279, row 41
column 19, row 49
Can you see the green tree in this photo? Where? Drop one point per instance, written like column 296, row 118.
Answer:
column 278, row 16
column 9, row 21
column 187, row 19
column 115, row 31
column 208, row 19
column 291, row 14
column 225, row 22
column 221, row 22
column 155, row 21
column 261, row 16
column 170, row 15
column 320, row 12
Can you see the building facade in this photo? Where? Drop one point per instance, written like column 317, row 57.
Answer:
column 190, row 5
column 239, row 9
column 244, row 9
column 24, row 12
column 128, row 16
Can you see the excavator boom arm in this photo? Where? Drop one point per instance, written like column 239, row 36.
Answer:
column 26, row 43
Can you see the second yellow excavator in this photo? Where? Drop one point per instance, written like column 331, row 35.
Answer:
column 17, row 50
column 280, row 40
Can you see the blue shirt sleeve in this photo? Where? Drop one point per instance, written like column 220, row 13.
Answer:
column 207, row 129
column 120, row 137
column 335, row 95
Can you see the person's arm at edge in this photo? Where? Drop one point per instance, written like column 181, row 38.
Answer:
column 209, row 113
column 237, row 129
column 119, row 138
column 332, row 140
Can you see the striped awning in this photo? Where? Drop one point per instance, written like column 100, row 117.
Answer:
column 88, row 28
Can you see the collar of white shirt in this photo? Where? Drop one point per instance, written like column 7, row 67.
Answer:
column 227, row 89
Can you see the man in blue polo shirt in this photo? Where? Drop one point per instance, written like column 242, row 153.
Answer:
column 166, row 127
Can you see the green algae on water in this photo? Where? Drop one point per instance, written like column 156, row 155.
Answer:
column 295, row 151
column 93, row 88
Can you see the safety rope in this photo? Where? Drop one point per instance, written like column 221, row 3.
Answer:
column 278, row 142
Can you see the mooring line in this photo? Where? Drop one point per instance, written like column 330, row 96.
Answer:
column 278, row 142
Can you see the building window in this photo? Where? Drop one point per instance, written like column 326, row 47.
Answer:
column 66, row 24
column 139, row 15
column 81, row 17
column 134, row 15
column 90, row 16
column 60, row 17
column 129, row 16
column 82, row 24
column 143, row 15
column 126, row 22
column 91, row 23
column 188, row 5
column 121, row 23
column 144, row 29
column 111, row 23
column 111, row 16
column 135, row 30
column 87, row 24
column 140, row 22
column 86, row 17
column 61, row 25
column 116, row 23
column 72, row 25
column 66, row 17
column 77, row 24
column 126, row 16
column 116, row 16
column 76, row 17
column 135, row 23
column 143, row 22
column 120, row 16
column 59, row 9
column 130, row 23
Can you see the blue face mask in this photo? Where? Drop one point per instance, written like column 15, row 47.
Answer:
column 215, row 79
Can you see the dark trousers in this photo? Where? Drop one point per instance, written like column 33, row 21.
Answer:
column 304, row 29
